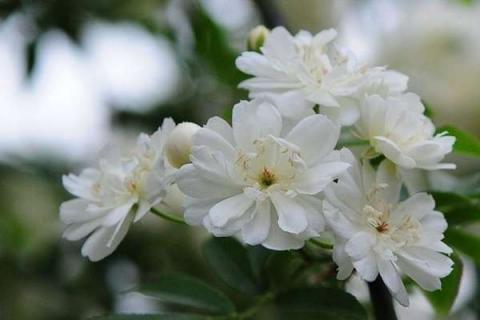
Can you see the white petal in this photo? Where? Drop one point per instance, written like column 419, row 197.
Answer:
column 392, row 152
column 388, row 174
column 196, row 184
column 118, row 214
column 214, row 142
column 96, row 247
column 281, row 240
column 317, row 178
column 360, row 245
column 78, row 231
column 316, row 136
column 75, row 210
column 416, row 206
column 419, row 275
column 291, row 215
column 393, row 281
column 367, row 267
column 221, row 127
column 253, row 120
column 343, row 260
column 230, row 208
column 256, row 231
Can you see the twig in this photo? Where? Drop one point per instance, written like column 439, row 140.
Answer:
column 381, row 300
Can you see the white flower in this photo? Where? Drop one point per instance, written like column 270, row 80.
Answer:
column 110, row 198
column 311, row 66
column 378, row 235
column 253, row 182
column 396, row 128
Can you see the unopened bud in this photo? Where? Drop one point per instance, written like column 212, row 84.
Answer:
column 179, row 144
column 257, row 38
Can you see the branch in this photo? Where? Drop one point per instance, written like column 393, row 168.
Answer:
column 269, row 13
column 381, row 300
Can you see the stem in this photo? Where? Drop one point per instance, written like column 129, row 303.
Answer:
column 168, row 217
column 381, row 300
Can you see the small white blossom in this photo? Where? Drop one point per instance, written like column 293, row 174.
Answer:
column 310, row 66
column 110, row 198
column 179, row 144
column 376, row 234
column 251, row 181
column 396, row 128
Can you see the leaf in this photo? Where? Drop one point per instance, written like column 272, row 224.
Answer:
column 464, row 242
column 281, row 268
column 188, row 291
column 457, row 208
column 319, row 303
column 229, row 260
column 258, row 256
column 442, row 300
column 465, row 142
column 150, row 317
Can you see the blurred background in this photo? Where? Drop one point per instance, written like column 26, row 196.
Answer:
column 80, row 79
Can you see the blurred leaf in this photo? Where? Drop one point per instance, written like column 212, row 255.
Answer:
column 457, row 208
column 442, row 300
column 428, row 109
column 319, row 303
column 212, row 46
column 465, row 143
column 229, row 260
column 466, row 243
column 188, row 291
column 151, row 317
column 258, row 256
column 282, row 266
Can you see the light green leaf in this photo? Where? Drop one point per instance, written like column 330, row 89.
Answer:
column 464, row 242
column 319, row 303
column 188, row 291
column 442, row 300
column 465, row 143
column 457, row 208
column 229, row 260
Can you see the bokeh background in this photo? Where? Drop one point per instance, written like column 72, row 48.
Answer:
column 80, row 79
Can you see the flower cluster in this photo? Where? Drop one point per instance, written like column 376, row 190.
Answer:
column 278, row 175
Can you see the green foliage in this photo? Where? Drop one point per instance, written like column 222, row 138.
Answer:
column 457, row 208
column 442, row 300
column 188, row 291
column 319, row 303
column 151, row 317
column 466, row 143
column 229, row 260
column 464, row 242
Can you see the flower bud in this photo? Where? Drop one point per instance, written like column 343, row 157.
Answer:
column 179, row 144
column 257, row 37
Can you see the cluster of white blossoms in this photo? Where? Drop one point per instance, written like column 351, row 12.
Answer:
column 277, row 176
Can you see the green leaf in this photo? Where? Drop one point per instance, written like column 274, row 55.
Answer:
column 442, row 300
column 319, row 303
column 457, row 208
column 464, row 242
column 281, row 268
column 150, row 317
column 465, row 143
column 229, row 260
column 188, row 291
column 258, row 256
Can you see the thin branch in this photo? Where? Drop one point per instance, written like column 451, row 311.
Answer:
column 269, row 13
column 169, row 217
column 381, row 300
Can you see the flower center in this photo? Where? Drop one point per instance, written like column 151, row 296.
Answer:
column 266, row 178
column 271, row 165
